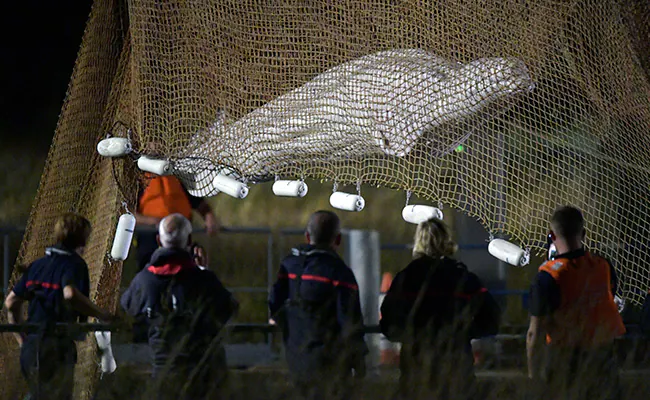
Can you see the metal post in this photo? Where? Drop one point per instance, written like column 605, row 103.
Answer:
column 5, row 281
column 363, row 250
column 269, row 280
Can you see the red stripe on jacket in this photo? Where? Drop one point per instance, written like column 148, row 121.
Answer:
column 323, row 279
column 46, row 285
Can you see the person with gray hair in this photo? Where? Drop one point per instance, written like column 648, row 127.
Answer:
column 186, row 307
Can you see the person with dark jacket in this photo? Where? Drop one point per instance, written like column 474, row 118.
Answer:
column 186, row 307
column 57, row 288
column 316, row 300
column 434, row 307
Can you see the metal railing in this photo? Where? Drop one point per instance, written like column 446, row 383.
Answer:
column 273, row 249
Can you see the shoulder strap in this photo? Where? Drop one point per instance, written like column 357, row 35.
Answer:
column 302, row 261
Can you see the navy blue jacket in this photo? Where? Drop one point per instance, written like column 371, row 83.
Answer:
column 323, row 325
column 43, row 282
column 186, row 306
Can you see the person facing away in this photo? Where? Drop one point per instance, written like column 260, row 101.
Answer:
column 316, row 301
column 186, row 308
column 573, row 310
column 434, row 307
column 162, row 196
column 57, row 288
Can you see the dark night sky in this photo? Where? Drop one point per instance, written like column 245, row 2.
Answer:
column 37, row 61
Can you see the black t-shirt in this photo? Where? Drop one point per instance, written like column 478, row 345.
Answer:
column 545, row 294
column 43, row 282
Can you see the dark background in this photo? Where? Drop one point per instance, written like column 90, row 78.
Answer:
column 39, row 49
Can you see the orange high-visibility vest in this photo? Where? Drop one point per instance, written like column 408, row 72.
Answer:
column 588, row 316
column 164, row 195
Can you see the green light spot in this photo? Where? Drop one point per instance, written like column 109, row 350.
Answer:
column 460, row 148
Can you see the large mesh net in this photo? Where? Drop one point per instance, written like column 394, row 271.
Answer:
column 545, row 103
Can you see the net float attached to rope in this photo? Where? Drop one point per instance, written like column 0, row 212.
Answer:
column 231, row 187
column 114, row 147
column 107, row 361
column 508, row 252
column 158, row 167
column 347, row 201
column 123, row 237
column 290, row 188
column 417, row 214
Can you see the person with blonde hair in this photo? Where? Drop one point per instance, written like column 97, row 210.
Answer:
column 434, row 307
column 57, row 288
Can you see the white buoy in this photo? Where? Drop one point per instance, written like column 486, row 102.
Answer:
column 506, row 252
column 290, row 188
column 417, row 214
column 108, row 364
column 114, row 147
column 231, row 187
column 347, row 201
column 620, row 304
column 158, row 167
column 123, row 236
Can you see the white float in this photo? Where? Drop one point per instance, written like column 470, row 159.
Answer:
column 507, row 252
column 158, row 167
column 416, row 214
column 231, row 187
column 107, row 363
column 347, row 201
column 290, row 188
column 114, row 147
column 620, row 304
column 123, row 237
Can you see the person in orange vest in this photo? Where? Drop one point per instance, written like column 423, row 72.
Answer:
column 165, row 195
column 573, row 312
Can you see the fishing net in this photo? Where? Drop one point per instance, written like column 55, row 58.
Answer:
column 502, row 109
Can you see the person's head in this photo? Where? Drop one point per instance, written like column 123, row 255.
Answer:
column 324, row 229
column 175, row 231
column 567, row 228
column 433, row 239
column 72, row 231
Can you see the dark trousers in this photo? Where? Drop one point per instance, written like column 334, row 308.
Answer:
column 581, row 374
column 428, row 372
column 190, row 379
column 325, row 386
column 48, row 367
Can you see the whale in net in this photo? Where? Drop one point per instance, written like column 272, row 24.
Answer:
column 380, row 105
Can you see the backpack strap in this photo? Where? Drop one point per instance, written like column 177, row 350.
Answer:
column 302, row 261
